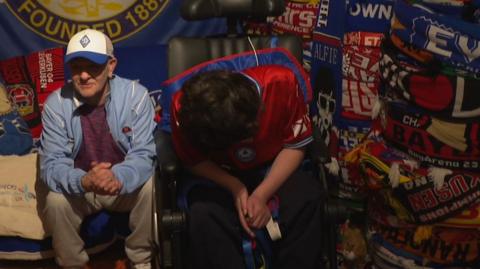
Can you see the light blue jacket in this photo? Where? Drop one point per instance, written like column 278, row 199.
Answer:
column 130, row 116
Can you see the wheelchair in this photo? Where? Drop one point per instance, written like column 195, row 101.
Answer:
column 186, row 52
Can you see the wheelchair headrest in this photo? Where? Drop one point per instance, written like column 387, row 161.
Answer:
column 205, row 9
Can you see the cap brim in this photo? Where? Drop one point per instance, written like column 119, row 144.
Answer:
column 92, row 56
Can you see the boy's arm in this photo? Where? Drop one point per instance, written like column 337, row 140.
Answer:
column 210, row 170
column 283, row 166
column 286, row 162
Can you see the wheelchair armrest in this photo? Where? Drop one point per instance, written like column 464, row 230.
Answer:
column 167, row 159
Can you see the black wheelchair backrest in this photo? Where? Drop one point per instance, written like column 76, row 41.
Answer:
column 186, row 52
column 205, row 9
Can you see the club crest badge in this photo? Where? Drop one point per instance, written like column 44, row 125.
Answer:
column 245, row 154
column 58, row 20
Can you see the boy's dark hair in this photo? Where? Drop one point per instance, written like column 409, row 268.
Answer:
column 218, row 109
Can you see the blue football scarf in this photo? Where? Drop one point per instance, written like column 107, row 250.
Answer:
column 369, row 16
column 450, row 40
column 386, row 258
column 236, row 62
column 456, row 9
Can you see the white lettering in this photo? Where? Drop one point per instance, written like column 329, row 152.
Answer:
column 470, row 54
column 436, row 38
column 372, row 11
column 323, row 13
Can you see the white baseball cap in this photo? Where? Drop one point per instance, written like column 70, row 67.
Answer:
column 89, row 44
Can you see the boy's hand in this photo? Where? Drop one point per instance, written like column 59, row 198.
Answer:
column 258, row 211
column 240, row 197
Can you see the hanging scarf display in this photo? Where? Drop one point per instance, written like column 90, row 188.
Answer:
column 431, row 141
column 445, row 246
column 426, row 194
column 446, row 96
column 449, row 39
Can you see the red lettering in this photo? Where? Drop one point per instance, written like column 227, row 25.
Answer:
column 458, row 185
column 416, row 202
column 429, row 198
column 444, row 193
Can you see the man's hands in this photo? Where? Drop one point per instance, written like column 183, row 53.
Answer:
column 252, row 210
column 101, row 180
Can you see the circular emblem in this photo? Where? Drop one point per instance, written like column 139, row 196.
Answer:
column 23, row 97
column 58, row 20
column 245, row 154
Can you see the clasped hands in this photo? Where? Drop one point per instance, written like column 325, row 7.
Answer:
column 253, row 211
column 101, row 180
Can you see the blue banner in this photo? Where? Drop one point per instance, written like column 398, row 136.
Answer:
column 139, row 29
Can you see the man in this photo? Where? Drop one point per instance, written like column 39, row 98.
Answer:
column 246, row 132
column 97, row 151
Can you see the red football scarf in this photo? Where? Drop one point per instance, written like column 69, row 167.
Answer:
column 358, row 99
column 431, row 141
column 368, row 39
column 30, row 79
column 424, row 196
column 361, row 63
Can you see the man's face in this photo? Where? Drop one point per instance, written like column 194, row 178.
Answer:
column 90, row 78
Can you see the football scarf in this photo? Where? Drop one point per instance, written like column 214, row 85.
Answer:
column 429, row 140
column 445, row 96
column 445, row 246
column 384, row 254
column 367, row 39
column 423, row 56
column 298, row 19
column 350, row 184
column 358, row 99
column 450, row 40
column 419, row 55
column 347, row 135
column 456, row 9
column 30, row 79
column 469, row 218
column 361, row 63
column 369, row 16
column 378, row 212
column 381, row 262
column 425, row 197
